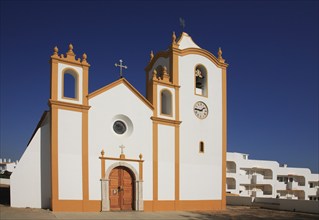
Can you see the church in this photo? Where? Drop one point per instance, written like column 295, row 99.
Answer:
column 116, row 150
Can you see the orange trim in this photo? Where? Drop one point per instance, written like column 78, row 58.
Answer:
column 182, row 205
column 128, row 85
column 155, row 161
column 92, row 206
column 54, row 79
column 55, row 105
column 224, row 135
column 121, row 159
column 174, row 65
column 68, row 106
column 177, row 162
column 85, row 153
column 204, row 53
column 169, row 85
column 155, row 101
column 85, row 85
column 78, row 206
column 54, row 158
column 67, row 60
column 164, row 54
column 165, row 121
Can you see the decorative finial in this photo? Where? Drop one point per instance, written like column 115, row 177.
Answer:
column 220, row 58
column 164, row 70
column 154, row 74
column 102, row 153
column 84, row 56
column 70, row 52
column 141, row 156
column 55, row 50
column 151, row 55
column 174, row 38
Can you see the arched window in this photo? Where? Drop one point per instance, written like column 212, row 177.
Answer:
column 166, row 102
column 201, row 147
column 70, row 84
column 200, row 80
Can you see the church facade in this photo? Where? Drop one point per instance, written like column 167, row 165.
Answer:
column 114, row 149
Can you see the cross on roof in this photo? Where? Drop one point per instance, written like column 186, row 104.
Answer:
column 121, row 67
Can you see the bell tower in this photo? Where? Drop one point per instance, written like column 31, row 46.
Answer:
column 69, row 130
column 187, row 87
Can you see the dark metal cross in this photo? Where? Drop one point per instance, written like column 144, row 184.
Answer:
column 121, row 67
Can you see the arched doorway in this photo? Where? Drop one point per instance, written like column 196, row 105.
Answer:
column 107, row 191
column 121, row 189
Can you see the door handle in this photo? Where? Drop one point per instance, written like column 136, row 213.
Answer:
column 120, row 188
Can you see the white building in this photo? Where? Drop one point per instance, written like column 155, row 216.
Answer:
column 7, row 165
column 261, row 178
column 114, row 149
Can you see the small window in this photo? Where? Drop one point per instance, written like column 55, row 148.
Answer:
column 70, row 85
column 119, row 127
column 200, row 80
column 201, row 147
column 166, row 102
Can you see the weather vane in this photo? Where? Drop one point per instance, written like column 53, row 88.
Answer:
column 121, row 67
column 182, row 23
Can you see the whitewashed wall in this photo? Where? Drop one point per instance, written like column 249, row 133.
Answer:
column 70, row 155
column 200, row 174
column 116, row 103
column 31, row 179
column 166, row 162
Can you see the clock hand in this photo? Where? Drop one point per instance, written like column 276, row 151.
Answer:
column 199, row 109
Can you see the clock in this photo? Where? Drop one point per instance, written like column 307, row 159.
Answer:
column 200, row 110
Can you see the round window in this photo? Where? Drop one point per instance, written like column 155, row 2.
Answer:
column 119, row 127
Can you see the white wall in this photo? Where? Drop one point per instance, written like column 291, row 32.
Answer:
column 31, row 179
column 277, row 204
column 196, row 167
column 242, row 178
column 166, row 162
column 105, row 108
column 70, row 155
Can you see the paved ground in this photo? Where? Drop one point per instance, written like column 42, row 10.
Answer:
column 232, row 212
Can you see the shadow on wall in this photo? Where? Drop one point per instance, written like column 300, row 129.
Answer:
column 45, row 168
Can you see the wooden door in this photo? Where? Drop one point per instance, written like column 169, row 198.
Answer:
column 121, row 189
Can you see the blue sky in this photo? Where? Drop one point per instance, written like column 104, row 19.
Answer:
column 271, row 47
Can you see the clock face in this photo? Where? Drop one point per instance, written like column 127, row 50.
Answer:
column 200, row 110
